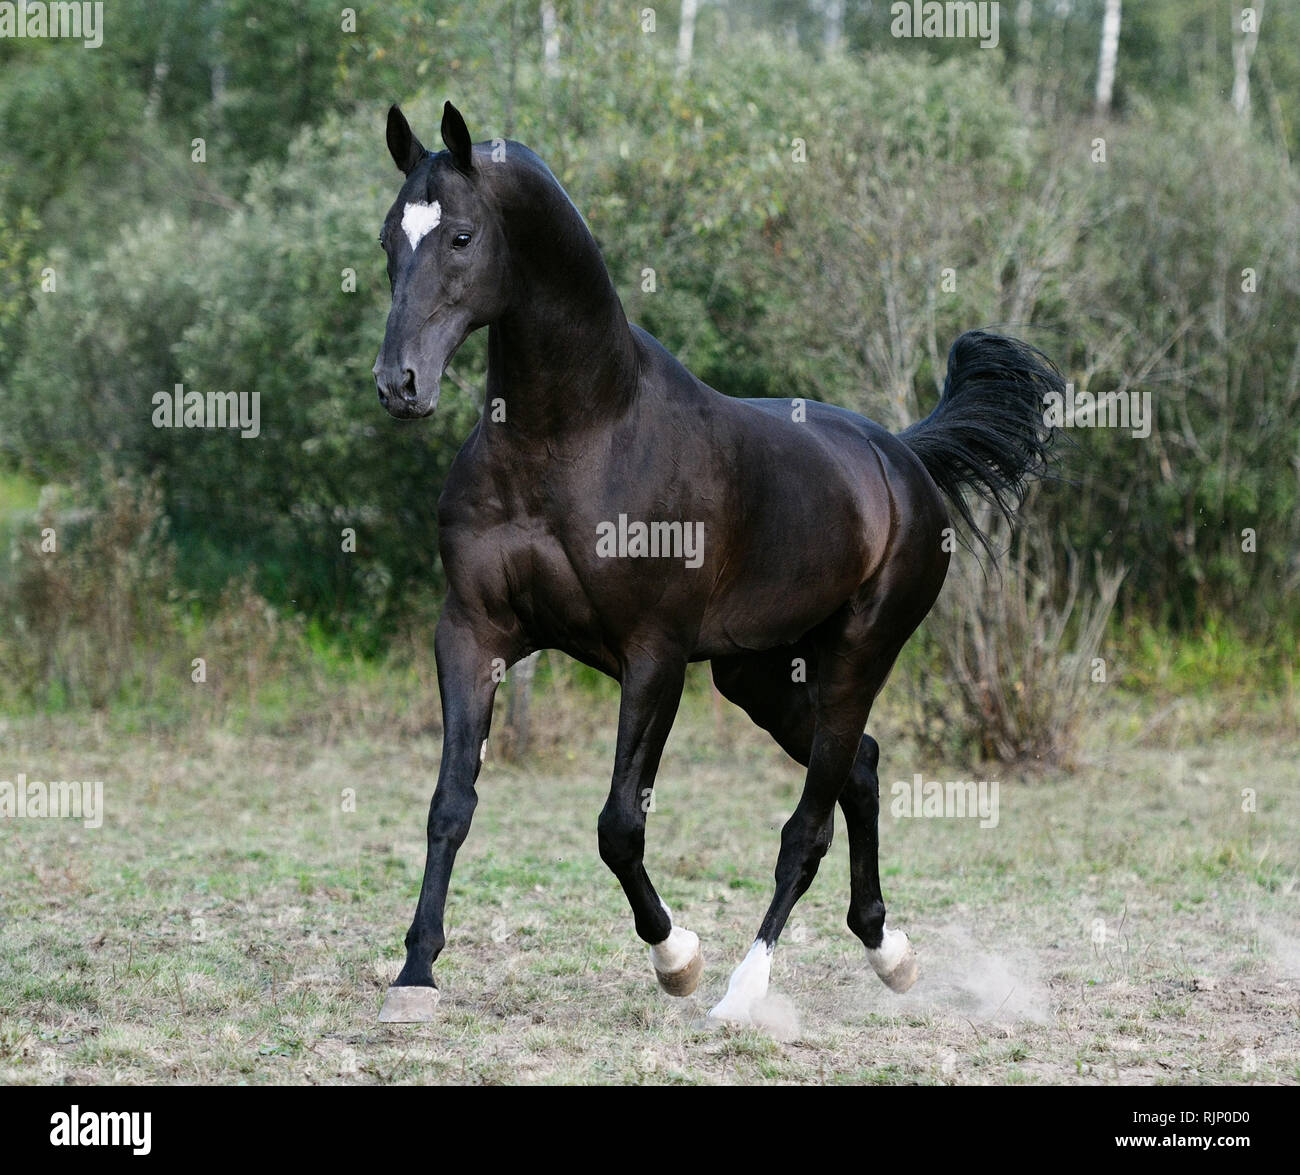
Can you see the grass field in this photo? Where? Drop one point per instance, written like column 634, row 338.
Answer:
column 232, row 922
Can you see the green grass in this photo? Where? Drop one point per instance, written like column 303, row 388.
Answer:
column 230, row 922
column 17, row 493
column 19, row 497
column 1218, row 657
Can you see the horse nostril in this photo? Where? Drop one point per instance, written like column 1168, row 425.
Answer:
column 408, row 386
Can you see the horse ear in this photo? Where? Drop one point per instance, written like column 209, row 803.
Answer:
column 403, row 146
column 456, row 135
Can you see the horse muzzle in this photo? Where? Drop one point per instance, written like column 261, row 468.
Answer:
column 402, row 395
column 409, row 374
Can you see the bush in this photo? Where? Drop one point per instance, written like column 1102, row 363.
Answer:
column 255, row 305
column 1015, row 668
column 90, row 601
column 823, row 278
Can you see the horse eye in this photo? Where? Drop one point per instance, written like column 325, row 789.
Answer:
column 460, row 240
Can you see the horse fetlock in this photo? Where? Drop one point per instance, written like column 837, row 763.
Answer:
column 867, row 921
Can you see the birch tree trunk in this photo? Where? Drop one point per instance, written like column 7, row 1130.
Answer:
column 833, row 38
column 550, row 39
column 217, row 79
column 686, row 36
column 512, row 69
column 518, row 732
column 1245, row 37
column 1025, row 52
column 1109, row 52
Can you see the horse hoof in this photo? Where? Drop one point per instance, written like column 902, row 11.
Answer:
column 736, row 1017
column 409, row 1005
column 683, row 982
column 678, row 962
column 746, row 989
column 895, row 961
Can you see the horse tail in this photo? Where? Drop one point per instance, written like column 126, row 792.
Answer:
column 988, row 432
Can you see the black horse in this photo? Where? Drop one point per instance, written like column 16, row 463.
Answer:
column 610, row 505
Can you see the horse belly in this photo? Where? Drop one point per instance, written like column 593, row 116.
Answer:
column 765, row 606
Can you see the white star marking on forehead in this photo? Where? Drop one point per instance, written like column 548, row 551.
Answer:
column 419, row 220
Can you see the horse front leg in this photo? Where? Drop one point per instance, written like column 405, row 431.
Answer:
column 467, row 683
column 652, row 690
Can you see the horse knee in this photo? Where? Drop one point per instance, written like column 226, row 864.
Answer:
column 621, row 838
column 868, row 755
column 450, row 816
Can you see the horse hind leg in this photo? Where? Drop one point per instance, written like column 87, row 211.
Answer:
column 888, row 951
column 764, row 686
column 770, row 688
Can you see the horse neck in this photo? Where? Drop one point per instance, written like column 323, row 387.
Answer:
column 561, row 357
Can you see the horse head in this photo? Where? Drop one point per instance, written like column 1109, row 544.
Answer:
column 448, row 263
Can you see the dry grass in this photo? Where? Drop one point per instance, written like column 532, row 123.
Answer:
column 230, row 922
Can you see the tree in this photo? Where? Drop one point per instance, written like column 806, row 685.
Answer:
column 686, row 36
column 1109, row 53
column 550, row 39
column 1245, row 37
